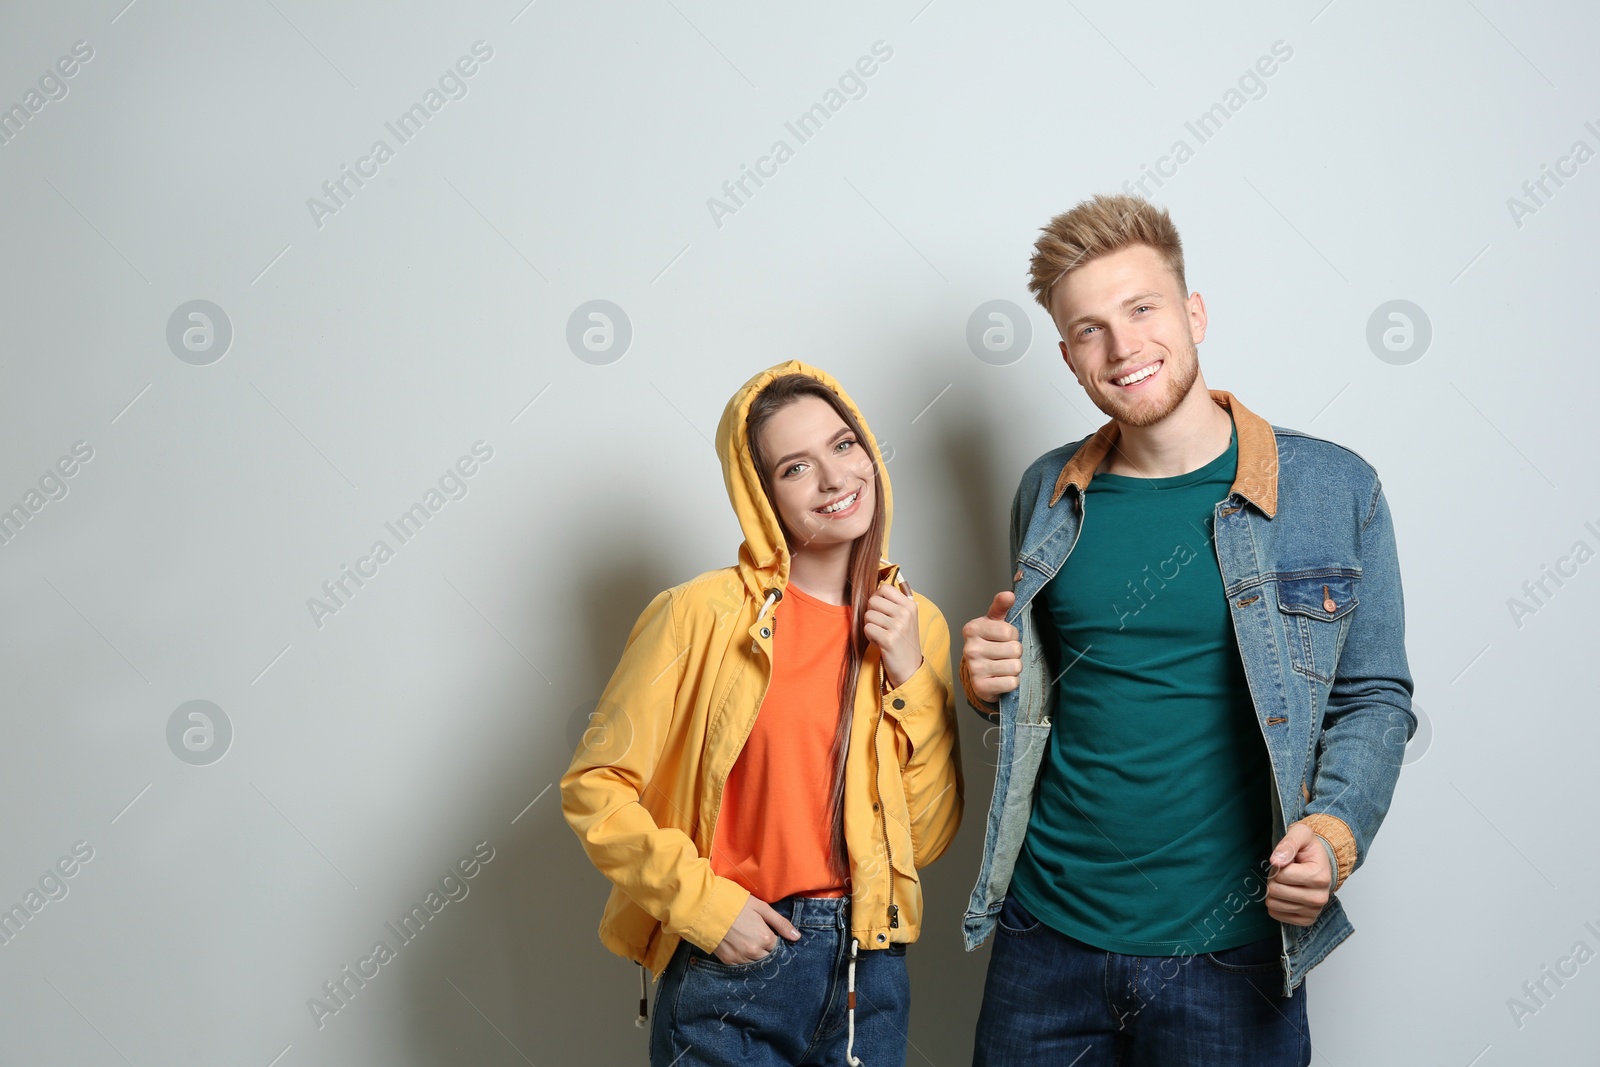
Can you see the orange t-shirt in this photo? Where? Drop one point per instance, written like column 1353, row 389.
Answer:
column 772, row 834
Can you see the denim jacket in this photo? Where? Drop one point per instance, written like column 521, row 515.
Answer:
column 1307, row 555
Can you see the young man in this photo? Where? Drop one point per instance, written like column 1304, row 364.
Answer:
column 1200, row 694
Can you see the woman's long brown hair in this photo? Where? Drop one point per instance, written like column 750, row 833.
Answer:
column 861, row 579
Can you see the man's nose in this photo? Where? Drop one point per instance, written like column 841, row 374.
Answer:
column 1125, row 344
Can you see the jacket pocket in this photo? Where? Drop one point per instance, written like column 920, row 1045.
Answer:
column 708, row 961
column 1314, row 609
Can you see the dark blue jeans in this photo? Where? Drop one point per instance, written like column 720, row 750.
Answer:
column 1051, row 999
column 788, row 1008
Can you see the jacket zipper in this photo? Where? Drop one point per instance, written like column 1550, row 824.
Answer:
column 877, row 777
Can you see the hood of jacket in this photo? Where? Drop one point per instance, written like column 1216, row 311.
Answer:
column 764, row 556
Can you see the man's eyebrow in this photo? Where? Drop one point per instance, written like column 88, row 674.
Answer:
column 784, row 462
column 1136, row 298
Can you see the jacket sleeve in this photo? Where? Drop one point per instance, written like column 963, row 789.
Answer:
column 658, row 867
column 924, row 713
column 1368, row 718
column 990, row 710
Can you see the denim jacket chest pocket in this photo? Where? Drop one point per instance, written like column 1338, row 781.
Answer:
column 1316, row 611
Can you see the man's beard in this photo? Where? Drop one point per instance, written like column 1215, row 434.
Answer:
column 1176, row 381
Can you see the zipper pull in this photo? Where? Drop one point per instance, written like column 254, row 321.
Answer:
column 894, row 916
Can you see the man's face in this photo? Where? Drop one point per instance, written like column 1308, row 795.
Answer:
column 1129, row 335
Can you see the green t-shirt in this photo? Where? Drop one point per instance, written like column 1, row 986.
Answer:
column 1153, row 813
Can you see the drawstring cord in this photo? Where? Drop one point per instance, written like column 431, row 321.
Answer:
column 644, row 1002
column 850, row 1045
column 772, row 595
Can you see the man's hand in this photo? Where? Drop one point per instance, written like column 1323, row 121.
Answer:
column 754, row 933
column 1298, row 888
column 992, row 651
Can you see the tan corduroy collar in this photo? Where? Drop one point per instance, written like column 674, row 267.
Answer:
column 1257, row 477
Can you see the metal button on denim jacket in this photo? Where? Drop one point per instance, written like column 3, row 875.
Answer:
column 1306, row 550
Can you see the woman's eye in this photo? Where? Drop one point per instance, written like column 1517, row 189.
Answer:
column 844, row 443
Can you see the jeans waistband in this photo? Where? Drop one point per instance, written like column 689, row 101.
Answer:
column 815, row 912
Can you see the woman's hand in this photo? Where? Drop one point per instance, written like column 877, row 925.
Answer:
column 754, row 933
column 891, row 624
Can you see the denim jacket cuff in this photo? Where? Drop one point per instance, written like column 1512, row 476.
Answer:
column 1333, row 830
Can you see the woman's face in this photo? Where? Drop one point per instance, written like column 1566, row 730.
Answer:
column 821, row 475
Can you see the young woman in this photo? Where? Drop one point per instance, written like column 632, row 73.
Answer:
column 775, row 756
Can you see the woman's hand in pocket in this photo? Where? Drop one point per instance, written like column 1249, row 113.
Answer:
column 754, row 933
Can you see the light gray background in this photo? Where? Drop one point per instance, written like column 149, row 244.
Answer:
column 436, row 709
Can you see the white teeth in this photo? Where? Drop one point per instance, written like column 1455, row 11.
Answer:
column 841, row 505
column 1137, row 376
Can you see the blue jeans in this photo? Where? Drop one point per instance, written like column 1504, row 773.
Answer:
column 788, row 1008
column 1051, row 999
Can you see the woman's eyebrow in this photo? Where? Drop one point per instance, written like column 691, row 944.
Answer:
column 801, row 454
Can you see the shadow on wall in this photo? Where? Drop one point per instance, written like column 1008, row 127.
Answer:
column 522, row 976
column 974, row 462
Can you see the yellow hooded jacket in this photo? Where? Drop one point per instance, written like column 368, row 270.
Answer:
column 644, row 790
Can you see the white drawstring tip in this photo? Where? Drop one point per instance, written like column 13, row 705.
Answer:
column 850, row 1045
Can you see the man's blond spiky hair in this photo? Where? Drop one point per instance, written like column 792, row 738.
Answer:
column 1096, row 227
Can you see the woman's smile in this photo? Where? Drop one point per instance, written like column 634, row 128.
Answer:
column 841, row 506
